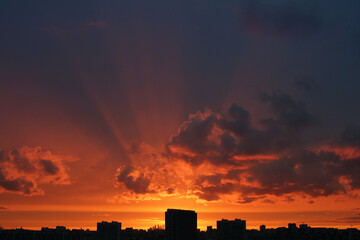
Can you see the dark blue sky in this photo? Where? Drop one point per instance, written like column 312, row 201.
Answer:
column 222, row 50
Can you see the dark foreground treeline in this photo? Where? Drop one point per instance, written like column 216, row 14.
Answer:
column 61, row 233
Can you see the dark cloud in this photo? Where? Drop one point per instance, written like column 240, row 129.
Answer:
column 307, row 84
column 133, row 180
column 290, row 113
column 313, row 174
column 308, row 172
column 238, row 121
column 49, row 167
column 355, row 218
column 212, row 192
column 22, row 163
column 3, row 208
column 244, row 162
column 18, row 185
column 193, row 137
column 209, row 187
column 350, row 168
column 223, row 139
column 351, row 135
column 283, row 21
column 269, row 201
column 22, row 170
column 246, row 199
column 217, row 137
column 170, row 190
column 195, row 134
column 2, row 156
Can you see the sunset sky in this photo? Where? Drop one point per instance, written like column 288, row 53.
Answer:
column 118, row 110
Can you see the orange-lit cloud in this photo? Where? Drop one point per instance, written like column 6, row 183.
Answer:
column 22, row 171
column 222, row 157
column 345, row 152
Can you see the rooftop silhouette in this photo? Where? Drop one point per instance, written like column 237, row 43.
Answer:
column 182, row 225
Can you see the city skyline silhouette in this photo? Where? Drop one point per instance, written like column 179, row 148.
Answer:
column 182, row 224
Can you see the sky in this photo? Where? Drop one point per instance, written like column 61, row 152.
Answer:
column 118, row 110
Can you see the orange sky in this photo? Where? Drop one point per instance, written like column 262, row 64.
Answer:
column 119, row 111
column 87, row 187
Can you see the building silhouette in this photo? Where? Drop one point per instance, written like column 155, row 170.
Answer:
column 210, row 233
column 109, row 230
column 292, row 226
column 231, row 229
column 303, row 232
column 180, row 224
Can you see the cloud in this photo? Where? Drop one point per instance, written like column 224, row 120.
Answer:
column 216, row 137
column 354, row 218
column 351, row 135
column 268, row 201
column 2, row 208
column 307, row 84
column 239, row 122
column 209, row 187
column 149, row 176
column 316, row 174
column 218, row 156
column 23, row 170
column 247, row 199
column 280, row 21
column 133, row 179
column 49, row 167
column 290, row 113
column 18, row 185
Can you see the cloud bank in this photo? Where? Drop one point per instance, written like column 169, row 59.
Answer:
column 223, row 156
